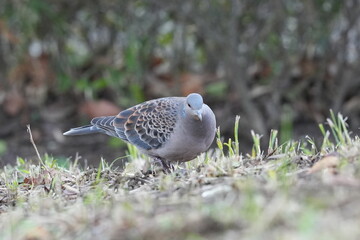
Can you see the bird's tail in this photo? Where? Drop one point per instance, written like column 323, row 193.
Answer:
column 88, row 129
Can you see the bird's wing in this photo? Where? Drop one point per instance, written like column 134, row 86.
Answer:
column 148, row 125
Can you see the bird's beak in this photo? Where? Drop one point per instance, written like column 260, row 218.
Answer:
column 198, row 115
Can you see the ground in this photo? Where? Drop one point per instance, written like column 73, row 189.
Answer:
column 288, row 191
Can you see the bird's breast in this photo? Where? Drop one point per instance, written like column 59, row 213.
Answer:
column 189, row 139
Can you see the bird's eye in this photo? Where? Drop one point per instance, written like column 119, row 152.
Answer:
column 189, row 105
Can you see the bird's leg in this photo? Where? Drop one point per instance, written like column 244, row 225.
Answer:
column 167, row 167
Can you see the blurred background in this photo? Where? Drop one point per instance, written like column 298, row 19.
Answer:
column 278, row 64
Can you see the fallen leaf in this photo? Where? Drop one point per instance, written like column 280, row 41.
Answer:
column 328, row 161
column 6, row 33
column 99, row 108
column 156, row 61
column 14, row 103
column 191, row 83
column 37, row 233
column 33, row 78
column 260, row 70
column 39, row 180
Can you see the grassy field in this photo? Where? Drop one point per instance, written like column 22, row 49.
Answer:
column 295, row 190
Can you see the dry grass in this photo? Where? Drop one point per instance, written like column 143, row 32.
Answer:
column 268, row 195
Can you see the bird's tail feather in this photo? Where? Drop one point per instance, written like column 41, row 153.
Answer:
column 88, row 129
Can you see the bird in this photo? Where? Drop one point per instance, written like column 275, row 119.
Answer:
column 169, row 129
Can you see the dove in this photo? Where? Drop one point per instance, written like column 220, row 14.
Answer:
column 170, row 129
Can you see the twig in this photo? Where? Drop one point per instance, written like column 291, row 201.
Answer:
column 33, row 143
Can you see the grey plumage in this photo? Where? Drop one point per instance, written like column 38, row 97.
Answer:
column 170, row 129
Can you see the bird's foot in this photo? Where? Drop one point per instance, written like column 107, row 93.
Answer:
column 166, row 166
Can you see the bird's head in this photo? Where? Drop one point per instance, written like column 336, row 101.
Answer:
column 193, row 106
